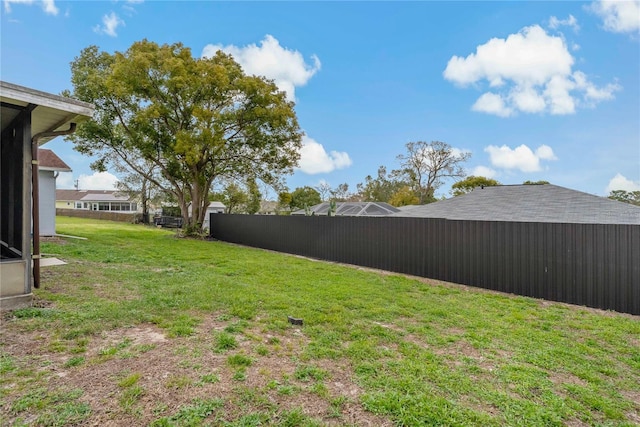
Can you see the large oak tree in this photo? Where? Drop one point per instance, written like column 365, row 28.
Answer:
column 194, row 119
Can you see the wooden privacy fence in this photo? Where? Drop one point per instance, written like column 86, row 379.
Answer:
column 587, row 264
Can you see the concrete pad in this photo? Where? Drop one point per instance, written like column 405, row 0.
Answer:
column 48, row 262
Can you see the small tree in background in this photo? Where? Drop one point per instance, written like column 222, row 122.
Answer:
column 631, row 197
column 304, row 197
column 469, row 183
column 324, row 189
column 254, row 197
column 341, row 193
column 405, row 196
column 381, row 188
column 233, row 197
column 284, row 203
column 426, row 166
column 535, row 182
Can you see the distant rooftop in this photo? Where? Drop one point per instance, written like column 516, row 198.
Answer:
column 91, row 195
column 529, row 203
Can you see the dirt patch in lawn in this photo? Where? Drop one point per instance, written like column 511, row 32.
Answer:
column 137, row 375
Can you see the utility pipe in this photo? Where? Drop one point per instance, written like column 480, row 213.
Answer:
column 35, row 197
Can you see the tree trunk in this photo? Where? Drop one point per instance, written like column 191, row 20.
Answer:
column 145, row 202
column 199, row 205
column 184, row 209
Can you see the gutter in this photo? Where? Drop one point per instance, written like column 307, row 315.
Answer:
column 35, row 196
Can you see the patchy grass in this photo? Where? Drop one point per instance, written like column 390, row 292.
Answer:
column 147, row 329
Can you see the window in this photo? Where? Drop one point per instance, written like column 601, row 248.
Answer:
column 117, row 206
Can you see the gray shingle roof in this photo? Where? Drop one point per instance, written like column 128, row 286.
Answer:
column 105, row 197
column 529, row 203
column 90, row 195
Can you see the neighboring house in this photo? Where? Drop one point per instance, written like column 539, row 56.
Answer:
column 95, row 200
column 528, row 203
column 350, row 209
column 49, row 167
column 29, row 118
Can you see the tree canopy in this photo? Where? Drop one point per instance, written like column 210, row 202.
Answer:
column 194, row 119
column 631, row 197
column 304, row 197
column 541, row 182
column 426, row 165
column 233, row 196
column 405, row 196
column 424, row 168
column 469, row 183
column 381, row 188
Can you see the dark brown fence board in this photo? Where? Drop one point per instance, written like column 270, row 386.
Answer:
column 587, row 264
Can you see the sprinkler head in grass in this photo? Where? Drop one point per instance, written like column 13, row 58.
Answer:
column 294, row 321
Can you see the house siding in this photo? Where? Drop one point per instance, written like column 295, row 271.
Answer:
column 47, row 203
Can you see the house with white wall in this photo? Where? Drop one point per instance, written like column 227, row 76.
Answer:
column 96, row 200
column 49, row 167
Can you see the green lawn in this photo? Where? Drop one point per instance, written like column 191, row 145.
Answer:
column 143, row 328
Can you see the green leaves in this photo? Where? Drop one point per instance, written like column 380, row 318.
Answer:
column 195, row 120
column 469, row 183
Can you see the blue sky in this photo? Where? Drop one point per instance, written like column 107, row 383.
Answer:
column 534, row 90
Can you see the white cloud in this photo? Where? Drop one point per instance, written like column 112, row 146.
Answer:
column 545, row 152
column 618, row 16
column 48, row 6
column 109, row 25
column 97, row 181
column 521, row 158
column 620, row 182
column 129, row 6
column 314, row 159
column 530, row 72
column 571, row 22
column 527, row 99
column 492, row 104
column 64, row 180
column 286, row 67
column 484, row 171
column 528, row 56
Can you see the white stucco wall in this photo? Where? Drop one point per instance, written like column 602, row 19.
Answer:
column 47, row 186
